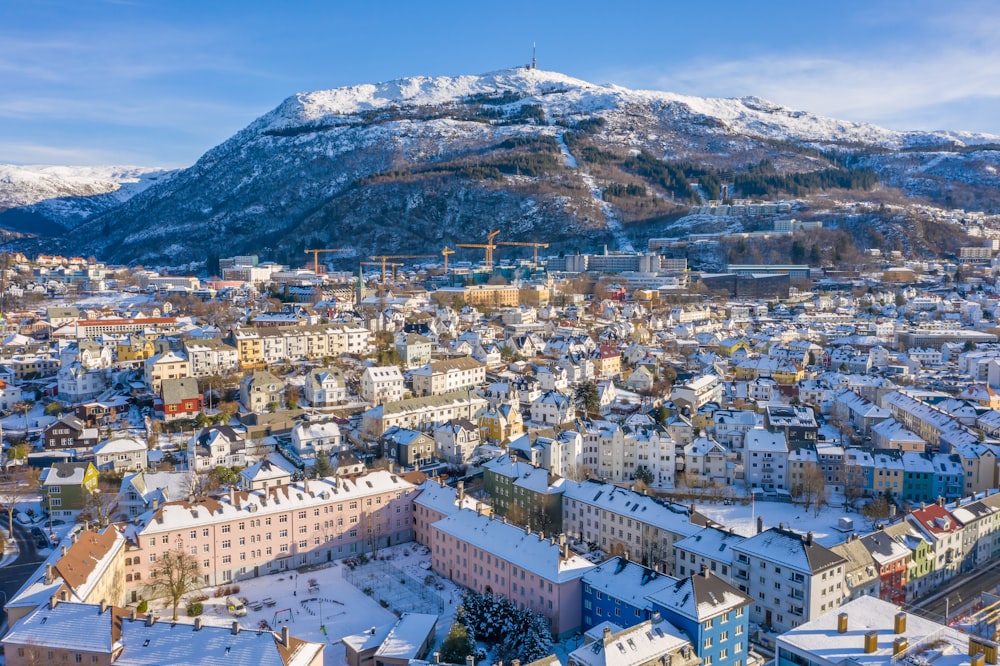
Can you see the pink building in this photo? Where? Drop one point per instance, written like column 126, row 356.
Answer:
column 436, row 501
column 488, row 555
column 246, row 534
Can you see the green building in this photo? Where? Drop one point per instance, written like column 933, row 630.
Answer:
column 524, row 494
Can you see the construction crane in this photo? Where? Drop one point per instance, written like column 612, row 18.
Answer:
column 445, row 252
column 383, row 258
column 489, row 246
column 379, row 263
column 532, row 245
column 316, row 254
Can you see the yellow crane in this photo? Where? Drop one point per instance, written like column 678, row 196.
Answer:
column 394, row 266
column 489, row 246
column 532, row 245
column 383, row 258
column 316, row 253
column 445, row 252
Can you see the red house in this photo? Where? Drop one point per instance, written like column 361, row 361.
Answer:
column 892, row 559
column 179, row 399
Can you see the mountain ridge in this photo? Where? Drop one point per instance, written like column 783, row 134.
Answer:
column 413, row 164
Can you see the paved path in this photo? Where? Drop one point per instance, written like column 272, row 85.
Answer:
column 13, row 576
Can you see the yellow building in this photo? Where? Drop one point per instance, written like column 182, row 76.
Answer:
column 788, row 373
column 491, row 295
column 501, row 424
column 135, row 349
column 250, row 348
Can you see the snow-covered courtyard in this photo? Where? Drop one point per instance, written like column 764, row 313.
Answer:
column 333, row 607
column 742, row 518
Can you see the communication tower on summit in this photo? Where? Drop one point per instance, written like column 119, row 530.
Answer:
column 534, row 63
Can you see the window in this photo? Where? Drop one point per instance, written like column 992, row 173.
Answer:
column 225, row 529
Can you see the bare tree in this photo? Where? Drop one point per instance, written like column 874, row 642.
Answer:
column 17, row 482
column 813, row 486
column 176, row 573
column 371, row 525
column 876, row 510
column 100, row 505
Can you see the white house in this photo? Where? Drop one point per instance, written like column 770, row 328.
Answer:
column 325, row 387
column 308, row 439
column 382, row 384
column 121, row 454
column 765, row 459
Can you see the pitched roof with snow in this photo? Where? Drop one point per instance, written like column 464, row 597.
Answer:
column 700, row 596
column 792, row 549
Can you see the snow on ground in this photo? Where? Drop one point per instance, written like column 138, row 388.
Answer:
column 335, row 604
column 742, row 518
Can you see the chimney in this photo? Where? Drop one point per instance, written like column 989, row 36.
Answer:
column 150, row 619
column 284, row 636
column 760, row 524
column 978, row 659
column 236, row 627
column 515, row 662
column 156, row 504
column 64, row 550
column 197, row 624
column 607, row 633
column 470, row 661
column 656, row 618
column 48, row 574
column 104, row 606
column 899, row 645
column 940, row 501
column 563, row 546
column 53, row 601
column 437, row 657
column 899, row 626
column 871, row 642
column 781, row 526
column 892, row 511
column 479, row 508
column 704, row 571
column 625, row 555
column 461, row 490
column 842, row 623
column 232, row 496
column 809, row 538
column 132, row 615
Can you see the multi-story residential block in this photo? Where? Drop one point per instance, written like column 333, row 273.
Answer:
column 406, row 447
column 133, row 350
column 382, row 384
column 92, row 328
column 251, row 533
column 791, row 578
column 211, row 356
column 488, row 555
column 731, row 425
column 980, row 520
column 711, row 612
column 77, row 383
column 891, row 434
column 526, row 495
column 710, row 548
column 325, row 387
column 979, row 464
column 165, row 365
column 435, row 501
column 617, row 590
column 920, row 568
column 765, row 459
column 258, row 347
column 619, row 521
column 422, row 412
column 500, row 424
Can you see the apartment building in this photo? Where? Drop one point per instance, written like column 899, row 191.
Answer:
column 710, row 548
column 622, row 521
column 697, row 392
column 488, row 555
column 258, row 347
column 325, row 387
column 165, row 365
column 765, row 459
column 252, row 533
column 791, row 578
column 211, row 356
column 526, row 495
column 382, row 384
column 422, row 412
column 454, row 374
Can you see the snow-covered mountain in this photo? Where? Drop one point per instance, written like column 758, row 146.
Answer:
column 410, row 165
column 46, row 199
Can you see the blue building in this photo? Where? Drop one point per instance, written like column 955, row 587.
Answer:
column 616, row 590
column 711, row 612
column 949, row 477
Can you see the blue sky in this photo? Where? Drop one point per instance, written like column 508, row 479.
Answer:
column 159, row 82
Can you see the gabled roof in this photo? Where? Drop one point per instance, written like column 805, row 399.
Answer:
column 798, row 551
column 700, row 596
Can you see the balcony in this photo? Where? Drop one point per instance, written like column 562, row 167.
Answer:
column 742, row 574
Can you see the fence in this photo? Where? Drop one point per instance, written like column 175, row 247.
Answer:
column 393, row 588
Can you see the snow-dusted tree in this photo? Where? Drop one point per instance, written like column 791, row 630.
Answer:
column 175, row 574
column 458, row 645
column 529, row 641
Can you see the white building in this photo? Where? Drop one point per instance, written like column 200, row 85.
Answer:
column 121, row 454
column 382, row 384
column 765, row 459
column 325, row 387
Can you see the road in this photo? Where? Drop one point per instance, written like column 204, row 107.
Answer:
column 965, row 594
column 12, row 576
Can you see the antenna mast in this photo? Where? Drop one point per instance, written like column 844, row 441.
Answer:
column 534, row 63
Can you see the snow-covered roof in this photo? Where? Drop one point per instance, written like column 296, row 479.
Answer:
column 629, row 581
column 673, row 518
column 700, row 596
column 526, row 550
column 791, row 549
column 644, row 643
column 406, row 639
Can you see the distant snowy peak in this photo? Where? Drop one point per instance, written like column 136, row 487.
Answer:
column 27, row 185
column 565, row 96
